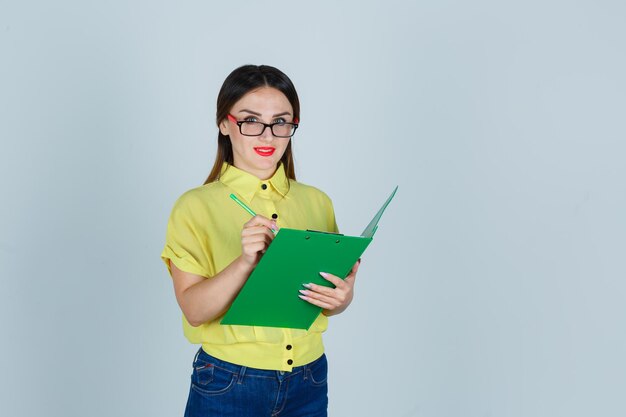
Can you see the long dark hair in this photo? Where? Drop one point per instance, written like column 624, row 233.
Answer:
column 240, row 82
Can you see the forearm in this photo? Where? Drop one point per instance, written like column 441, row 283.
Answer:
column 210, row 298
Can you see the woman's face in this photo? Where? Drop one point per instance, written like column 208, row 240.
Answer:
column 258, row 155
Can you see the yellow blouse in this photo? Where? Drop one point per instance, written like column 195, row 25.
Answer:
column 204, row 236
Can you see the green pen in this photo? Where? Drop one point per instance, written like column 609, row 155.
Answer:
column 246, row 208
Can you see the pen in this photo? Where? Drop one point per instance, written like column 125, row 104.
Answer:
column 246, row 208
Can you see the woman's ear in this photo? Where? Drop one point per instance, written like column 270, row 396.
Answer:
column 224, row 127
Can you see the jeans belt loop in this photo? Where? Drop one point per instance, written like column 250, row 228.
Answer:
column 242, row 373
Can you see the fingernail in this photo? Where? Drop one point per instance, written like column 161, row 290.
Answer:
column 306, row 285
column 305, row 292
column 302, row 296
column 324, row 274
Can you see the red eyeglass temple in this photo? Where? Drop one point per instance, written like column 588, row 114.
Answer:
column 232, row 118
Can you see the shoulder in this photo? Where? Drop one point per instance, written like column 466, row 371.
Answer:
column 308, row 192
column 315, row 205
column 199, row 197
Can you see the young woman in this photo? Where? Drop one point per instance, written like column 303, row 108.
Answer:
column 212, row 246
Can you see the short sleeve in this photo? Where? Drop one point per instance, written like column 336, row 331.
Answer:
column 330, row 215
column 185, row 241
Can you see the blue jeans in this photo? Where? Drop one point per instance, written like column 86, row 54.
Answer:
column 220, row 388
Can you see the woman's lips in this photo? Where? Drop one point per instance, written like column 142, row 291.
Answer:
column 264, row 151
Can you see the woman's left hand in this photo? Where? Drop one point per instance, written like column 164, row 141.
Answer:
column 332, row 300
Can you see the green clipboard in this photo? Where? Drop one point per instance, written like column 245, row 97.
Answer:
column 270, row 295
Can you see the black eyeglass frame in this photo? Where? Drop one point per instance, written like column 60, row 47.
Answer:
column 265, row 126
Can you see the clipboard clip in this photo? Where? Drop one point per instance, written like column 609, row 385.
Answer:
column 326, row 233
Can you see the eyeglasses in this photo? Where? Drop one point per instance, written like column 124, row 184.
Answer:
column 279, row 129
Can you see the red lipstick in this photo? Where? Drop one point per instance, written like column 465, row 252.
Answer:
column 264, row 150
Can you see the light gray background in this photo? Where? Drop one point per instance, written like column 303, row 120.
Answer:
column 495, row 286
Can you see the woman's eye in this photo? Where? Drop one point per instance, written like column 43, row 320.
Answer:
column 280, row 120
column 250, row 119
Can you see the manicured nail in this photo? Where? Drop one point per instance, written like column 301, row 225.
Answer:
column 306, row 285
column 324, row 274
column 305, row 292
column 302, row 296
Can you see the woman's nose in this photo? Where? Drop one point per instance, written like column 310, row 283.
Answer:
column 267, row 134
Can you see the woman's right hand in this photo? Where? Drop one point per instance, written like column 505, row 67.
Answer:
column 203, row 300
column 255, row 238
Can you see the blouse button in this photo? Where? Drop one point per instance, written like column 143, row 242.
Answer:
column 289, row 362
column 264, row 186
column 274, row 216
column 289, row 347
